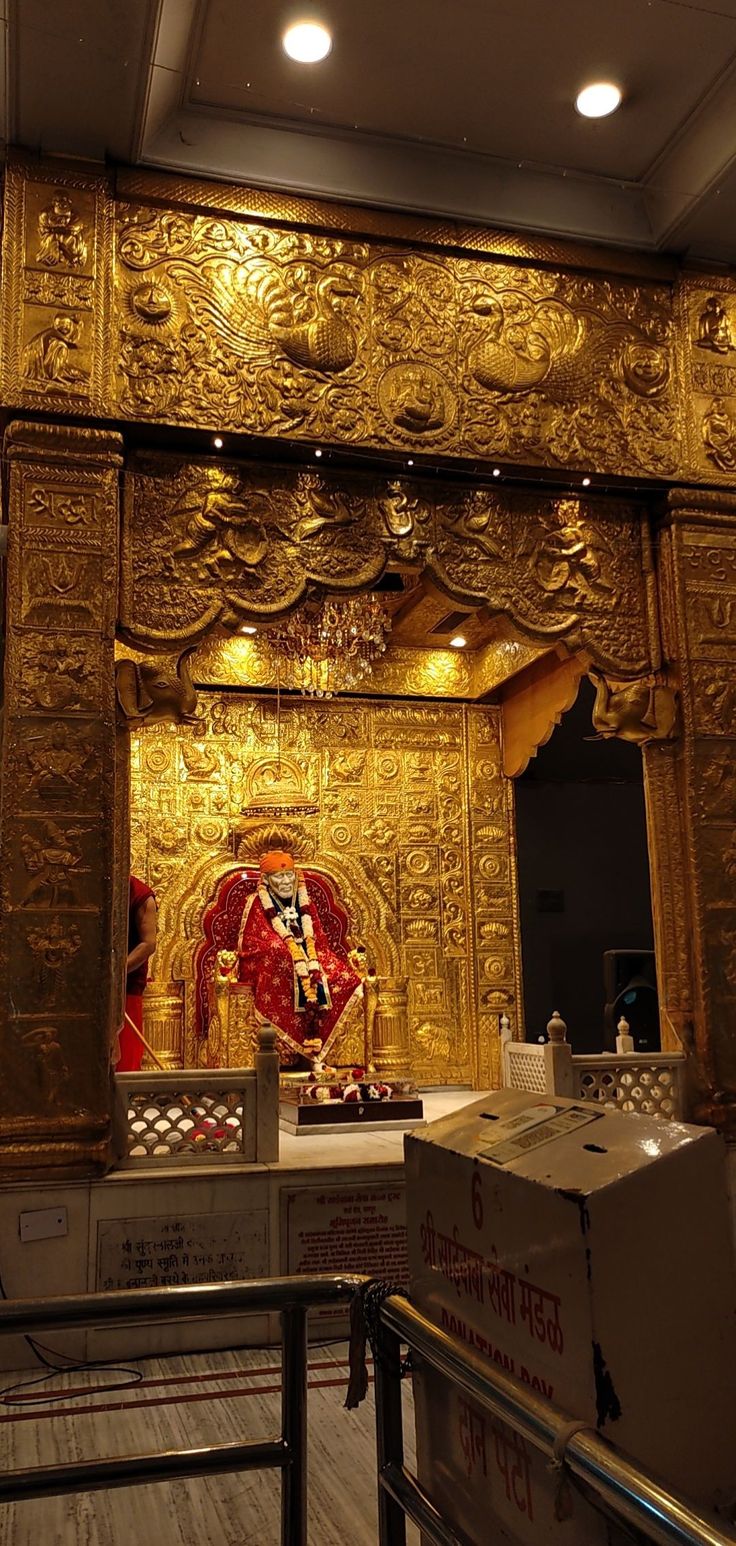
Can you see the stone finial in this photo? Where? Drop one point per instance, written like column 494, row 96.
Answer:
column 505, row 1027
column 266, row 1037
column 624, row 1042
column 556, row 1028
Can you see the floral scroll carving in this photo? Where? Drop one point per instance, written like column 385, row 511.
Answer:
column 312, row 335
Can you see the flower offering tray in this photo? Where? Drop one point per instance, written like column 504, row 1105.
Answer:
column 298, row 1116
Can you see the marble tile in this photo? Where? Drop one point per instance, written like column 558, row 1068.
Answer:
column 188, row 1401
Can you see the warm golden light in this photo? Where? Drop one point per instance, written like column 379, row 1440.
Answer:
column 307, row 42
column 599, row 99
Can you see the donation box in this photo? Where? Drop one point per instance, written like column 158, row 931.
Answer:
column 589, row 1254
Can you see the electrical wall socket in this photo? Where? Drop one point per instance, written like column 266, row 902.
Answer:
column 43, row 1224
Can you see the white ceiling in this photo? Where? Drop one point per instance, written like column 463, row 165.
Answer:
column 461, row 108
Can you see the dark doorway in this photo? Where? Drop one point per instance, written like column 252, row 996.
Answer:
column 583, row 872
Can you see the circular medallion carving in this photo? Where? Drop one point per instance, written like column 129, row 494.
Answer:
column 388, row 767
column 341, row 836
column 416, row 399
column 157, row 758
column 419, row 862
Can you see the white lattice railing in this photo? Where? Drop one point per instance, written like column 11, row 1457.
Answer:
column 195, row 1116
column 631, row 1082
column 652, row 1083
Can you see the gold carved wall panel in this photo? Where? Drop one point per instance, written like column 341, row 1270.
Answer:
column 241, row 325
column 57, row 249
column 164, row 310
column 61, row 967
column 413, row 821
column 695, row 779
column 207, row 543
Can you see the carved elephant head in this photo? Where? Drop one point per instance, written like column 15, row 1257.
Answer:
column 146, row 692
column 639, row 711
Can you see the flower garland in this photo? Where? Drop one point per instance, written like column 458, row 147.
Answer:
column 303, row 955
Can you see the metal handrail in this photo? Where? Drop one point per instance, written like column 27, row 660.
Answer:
column 629, row 1493
column 618, row 1481
column 290, row 1297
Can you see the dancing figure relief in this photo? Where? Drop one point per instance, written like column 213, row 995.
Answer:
column 53, row 860
column 62, row 242
column 566, row 565
column 228, row 527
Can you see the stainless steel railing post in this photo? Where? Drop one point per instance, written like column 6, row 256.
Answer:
column 389, row 1434
column 294, row 1426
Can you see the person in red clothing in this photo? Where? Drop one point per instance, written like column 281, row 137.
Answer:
column 141, row 945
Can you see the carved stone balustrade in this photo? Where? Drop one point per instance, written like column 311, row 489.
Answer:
column 649, row 1083
column 213, row 1116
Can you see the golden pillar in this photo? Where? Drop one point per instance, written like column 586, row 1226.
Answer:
column 60, row 967
column 163, row 1023
column 390, row 1052
column 691, row 799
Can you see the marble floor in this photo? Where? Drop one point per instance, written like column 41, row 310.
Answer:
column 185, row 1401
column 362, row 1146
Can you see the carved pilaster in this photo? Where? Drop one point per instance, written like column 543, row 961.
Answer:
column 391, row 1053
column 60, row 967
column 695, row 843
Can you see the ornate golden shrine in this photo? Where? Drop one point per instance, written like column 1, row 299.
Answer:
column 413, row 821
column 136, row 298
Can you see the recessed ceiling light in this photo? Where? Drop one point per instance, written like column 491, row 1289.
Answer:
column 318, row 452
column 458, row 643
column 586, row 482
column 497, row 472
column 218, row 442
column 247, row 628
column 307, row 42
column 410, row 462
column 598, row 99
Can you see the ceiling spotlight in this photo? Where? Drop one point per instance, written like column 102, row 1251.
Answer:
column 318, row 452
column 458, row 643
column 218, row 442
column 497, row 472
column 410, row 462
column 247, row 628
column 599, row 99
column 307, row 42
column 586, row 482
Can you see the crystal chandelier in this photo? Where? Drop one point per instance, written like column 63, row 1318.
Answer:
column 330, row 646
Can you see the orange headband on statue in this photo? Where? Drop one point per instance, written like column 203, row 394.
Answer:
column 276, row 860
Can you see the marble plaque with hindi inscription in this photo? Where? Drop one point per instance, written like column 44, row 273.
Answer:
column 206, row 1248
column 355, row 1227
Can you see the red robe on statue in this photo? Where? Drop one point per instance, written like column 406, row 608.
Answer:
column 265, row 963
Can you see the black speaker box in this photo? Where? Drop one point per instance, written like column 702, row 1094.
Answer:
column 630, row 983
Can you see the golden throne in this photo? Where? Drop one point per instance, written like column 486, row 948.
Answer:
column 226, row 1022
